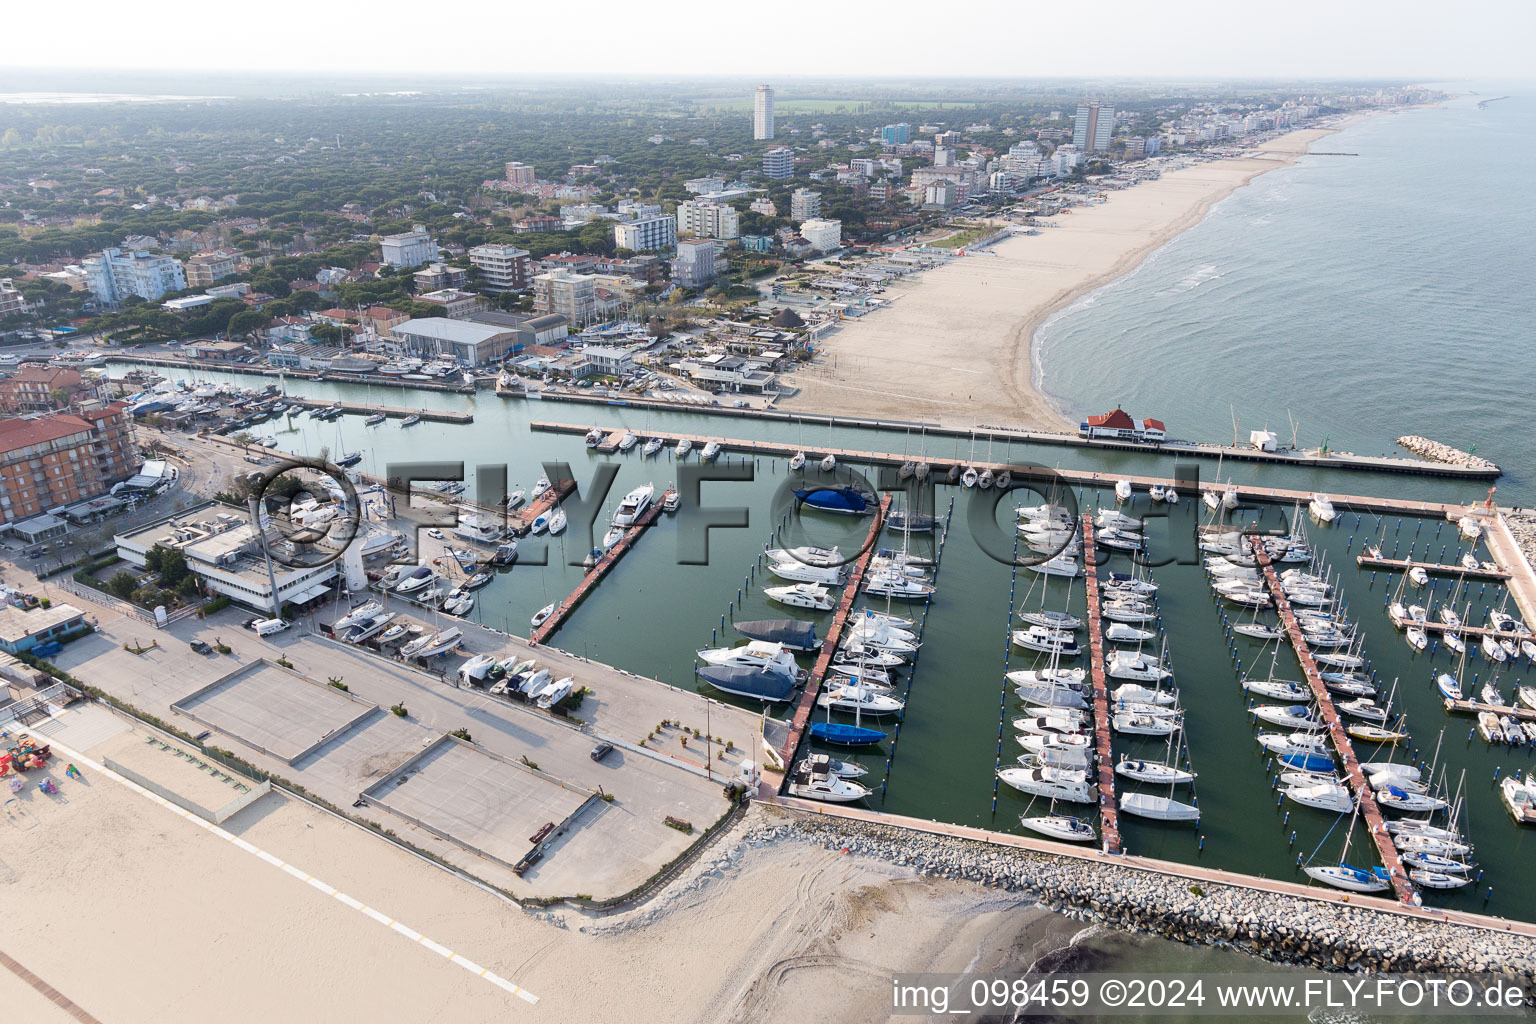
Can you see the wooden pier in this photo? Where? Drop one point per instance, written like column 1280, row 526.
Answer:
column 393, row 412
column 1464, row 631
column 1473, row 707
column 1364, row 795
column 599, row 569
column 523, row 518
column 1109, row 811
column 1433, row 568
column 807, row 704
column 1043, row 478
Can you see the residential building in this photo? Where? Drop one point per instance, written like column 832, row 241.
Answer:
column 574, row 262
column 762, row 113
column 824, row 235
column 705, row 218
column 519, row 173
column 757, row 243
column 940, row 195
column 455, row 303
column 645, row 234
column 21, row 630
column 537, row 225
column 943, row 156
column 610, row 359
column 114, row 275
column 764, row 206
column 804, row 204
column 642, row 266
column 206, row 268
column 779, row 162
column 467, row 342
column 1094, row 125
column 628, row 209
column 59, row 459
column 439, row 275
column 699, row 186
column 503, row 268
column 409, row 249
column 11, row 300
column 694, row 266
column 36, row 387
column 573, row 296
column 896, row 134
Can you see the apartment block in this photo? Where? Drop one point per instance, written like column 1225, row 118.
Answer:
column 113, row 275
column 646, row 233
column 706, row 218
column 503, row 268
column 206, row 268
column 804, row 204
column 59, row 459
column 408, row 249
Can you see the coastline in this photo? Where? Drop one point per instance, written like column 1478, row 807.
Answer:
column 985, row 310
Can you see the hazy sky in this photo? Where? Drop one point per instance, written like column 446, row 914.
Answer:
column 1016, row 38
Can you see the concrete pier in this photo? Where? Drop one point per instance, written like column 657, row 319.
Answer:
column 393, row 412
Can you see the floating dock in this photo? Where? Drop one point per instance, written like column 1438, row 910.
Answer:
column 393, row 412
column 1364, row 795
column 599, row 569
column 807, row 705
column 1473, row 707
column 1433, row 568
column 1476, row 632
column 1044, row 478
column 521, row 520
column 1109, row 811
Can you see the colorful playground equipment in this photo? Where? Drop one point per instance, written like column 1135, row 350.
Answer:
column 24, row 756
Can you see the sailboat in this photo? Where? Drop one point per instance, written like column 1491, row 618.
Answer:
column 1344, row 875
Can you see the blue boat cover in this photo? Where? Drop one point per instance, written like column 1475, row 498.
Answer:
column 747, row 681
column 834, row 499
column 790, row 632
column 845, row 735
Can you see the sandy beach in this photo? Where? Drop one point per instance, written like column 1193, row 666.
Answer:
column 133, row 913
column 954, row 347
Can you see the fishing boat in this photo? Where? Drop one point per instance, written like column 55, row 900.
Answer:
column 1154, row 772
column 762, row 684
column 542, row 615
column 840, row 735
column 1158, row 808
column 1061, row 826
column 802, row 595
column 791, row 633
column 1052, row 783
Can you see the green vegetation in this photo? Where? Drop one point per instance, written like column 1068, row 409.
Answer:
column 398, row 710
column 462, row 734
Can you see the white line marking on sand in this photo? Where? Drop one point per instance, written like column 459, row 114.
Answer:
column 337, row 894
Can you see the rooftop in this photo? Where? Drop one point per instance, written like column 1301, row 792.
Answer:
column 443, row 329
column 25, row 431
column 16, row 624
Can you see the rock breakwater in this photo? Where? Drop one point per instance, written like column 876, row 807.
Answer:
column 1277, row 926
column 1434, row 451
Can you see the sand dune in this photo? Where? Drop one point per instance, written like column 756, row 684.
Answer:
column 954, row 347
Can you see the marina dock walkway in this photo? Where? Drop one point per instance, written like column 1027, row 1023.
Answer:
column 1041, row 477
column 807, row 705
column 1109, row 813
column 1364, row 795
column 393, row 412
column 521, row 520
column 1433, row 568
column 1463, row 631
column 1473, row 707
column 599, row 569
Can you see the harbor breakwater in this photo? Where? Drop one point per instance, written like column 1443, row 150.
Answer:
column 1276, row 926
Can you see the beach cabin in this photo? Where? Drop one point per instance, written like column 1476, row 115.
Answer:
column 1110, row 426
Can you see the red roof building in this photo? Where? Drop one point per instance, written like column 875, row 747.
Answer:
column 1117, row 425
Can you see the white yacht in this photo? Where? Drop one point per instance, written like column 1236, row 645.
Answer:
column 897, row 586
column 1135, row 667
column 684, row 446
column 634, row 505
column 541, row 485
column 415, row 580
column 1122, row 490
column 357, row 615
column 1049, row 641
column 1322, row 509
column 853, row 697
column 628, row 441
column 1110, row 519
column 810, row 555
column 1353, row 879
column 802, row 595
column 483, row 529
column 557, row 522
column 1052, row 695
column 1135, row 693
column 1121, row 633
column 1053, row 783
column 542, row 615
column 829, row 463
column 1060, row 565
column 760, row 654
column 799, row 572
column 711, row 452
column 435, row 644
column 1158, row 808
column 652, row 446
column 814, row 779
column 1033, row 677
column 1061, row 826
column 1323, row 796
column 1132, row 724
column 554, row 693
column 1157, row 492
column 1153, row 771
column 594, row 437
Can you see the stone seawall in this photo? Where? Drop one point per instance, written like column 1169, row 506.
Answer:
column 1276, row 926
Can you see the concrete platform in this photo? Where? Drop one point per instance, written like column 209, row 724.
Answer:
column 487, row 804
column 274, row 710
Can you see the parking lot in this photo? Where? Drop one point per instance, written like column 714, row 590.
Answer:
column 274, row 710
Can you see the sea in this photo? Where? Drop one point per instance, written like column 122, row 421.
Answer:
column 1346, row 300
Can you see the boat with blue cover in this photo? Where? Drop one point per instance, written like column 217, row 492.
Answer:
column 792, row 633
column 845, row 735
column 743, row 681
column 839, row 500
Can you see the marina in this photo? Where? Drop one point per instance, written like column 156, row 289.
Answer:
column 1432, row 568
column 389, row 411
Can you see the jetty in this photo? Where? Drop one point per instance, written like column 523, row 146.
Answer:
column 1109, row 812
column 1473, row 707
column 1464, row 630
column 807, row 703
column 1433, row 568
column 1370, row 811
column 1043, row 478
column 393, row 412
column 599, row 569
column 523, row 518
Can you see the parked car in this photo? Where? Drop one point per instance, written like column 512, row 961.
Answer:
column 601, row 751
column 201, row 647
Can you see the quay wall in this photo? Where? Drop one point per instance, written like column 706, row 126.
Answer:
column 1330, row 934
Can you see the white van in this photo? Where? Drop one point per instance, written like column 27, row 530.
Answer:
column 266, row 627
